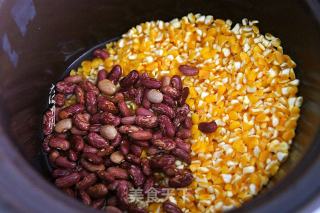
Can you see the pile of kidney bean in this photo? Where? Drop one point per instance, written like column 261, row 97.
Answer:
column 96, row 144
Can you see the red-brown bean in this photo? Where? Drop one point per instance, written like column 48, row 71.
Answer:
column 67, row 181
column 101, row 53
column 115, row 74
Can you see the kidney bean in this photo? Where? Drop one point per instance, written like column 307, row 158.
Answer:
column 162, row 160
column 176, row 82
column 146, row 103
column 184, row 96
column 95, row 119
column 169, row 101
column 188, row 70
column 97, row 191
column 89, row 86
column 170, row 170
column 101, row 53
column 81, row 121
column 182, row 155
column 59, row 143
column 136, row 175
column 116, row 141
column 61, row 135
column 59, row 99
column 157, row 135
column 181, row 180
column 141, row 143
column 146, row 121
column 86, row 200
column 48, row 122
column 164, row 143
column 65, row 87
column 165, row 81
column 91, row 102
column 154, row 150
column 98, row 204
column 128, row 120
column 144, row 112
column 117, row 157
column 45, row 144
column 151, row 83
column 118, row 173
column 89, row 149
column 170, row 91
column 97, row 141
column 133, row 159
column 125, row 129
column 73, row 79
column 130, row 79
column 167, row 126
column 91, row 167
column 105, row 151
column 64, row 163
column 102, row 74
column 67, row 181
column 109, row 118
column 106, row 176
column 184, row 133
column 124, row 109
column 107, row 87
column 139, row 95
column 187, row 123
column 124, row 147
column 112, row 201
column 183, row 145
column 72, row 155
column 80, row 96
column 78, row 143
column 57, row 173
column 170, row 207
column 92, row 158
column 70, row 111
column 115, row 74
column 87, row 181
column 122, row 192
column 69, row 192
column 53, row 155
column 141, row 135
column 148, row 185
column 207, row 127
column 163, row 109
column 135, row 149
column 76, row 131
column 145, row 166
column 112, row 209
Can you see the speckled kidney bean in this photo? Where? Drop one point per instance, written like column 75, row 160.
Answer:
column 128, row 120
column 133, row 159
column 109, row 118
column 183, row 133
column 91, row 167
column 124, row 109
column 151, row 83
column 98, row 190
column 99, row 203
column 48, row 122
column 169, row 101
column 184, row 96
column 207, row 127
column 73, row 79
column 59, row 143
column 86, row 200
column 57, row 173
column 81, row 121
column 162, row 160
column 105, row 151
column 130, row 79
column 70, row 111
column 165, row 81
column 92, row 158
column 88, row 86
column 146, row 121
column 188, row 70
column 95, row 128
column 157, row 135
column 154, row 151
column 115, row 74
column 164, row 110
column 135, row 149
column 144, row 112
column 181, row 180
column 136, row 175
column 176, row 82
column 118, row 173
column 145, row 166
column 59, row 99
column 167, row 126
column 182, row 155
column 170, row 170
column 97, row 141
column 183, row 145
column 65, row 87
column 170, row 207
column 53, row 155
column 124, row 147
column 76, row 131
column 102, row 74
column 87, row 181
column 91, row 102
column 144, row 144
column 122, row 192
column 101, row 53
column 164, row 143
column 170, row 91
column 187, row 123
column 63, row 162
column 80, row 96
column 139, row 96
column 141, row 135
column 106, row 176
column 125, row 129
column 107, row 106
column 72, row 155
column 89, row 149
column 68, row 180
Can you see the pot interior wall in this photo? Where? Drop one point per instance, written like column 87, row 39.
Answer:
column 40, row 38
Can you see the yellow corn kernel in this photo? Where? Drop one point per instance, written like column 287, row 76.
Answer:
column 233, row 115
column 234, row 124
column 288, row 135
column 239, row 146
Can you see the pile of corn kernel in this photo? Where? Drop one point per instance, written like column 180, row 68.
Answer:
column 245, row 83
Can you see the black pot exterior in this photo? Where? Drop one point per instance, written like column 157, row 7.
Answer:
column 40, row 38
